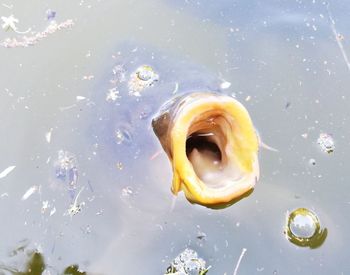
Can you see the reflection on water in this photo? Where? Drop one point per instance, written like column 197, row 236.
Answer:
column 67, row 90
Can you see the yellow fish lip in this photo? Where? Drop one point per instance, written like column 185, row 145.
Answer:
column 212, row 145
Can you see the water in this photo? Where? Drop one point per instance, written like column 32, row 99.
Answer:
column 286, row 62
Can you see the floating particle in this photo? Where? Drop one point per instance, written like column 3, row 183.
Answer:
column 187, row 262
column 248, row 98
column 50, row 14
column 305, row 135
column 88, row 77
column 34, row 39
column 75, row 207
column 225, row 85
column 119, row 165
column 112, row 95
column 326, row 143
column 53, row 211
column 9, row 23
column 66, row 168
column 287, row 105
column 303, row 228
column 127, row 192
column 143, row 77
column 7, row 171
column 45, row 206
column 118, row 74
column 122, row 135
column 48, row 136
column 80, row 98
column 312, row 162
column 29, row 192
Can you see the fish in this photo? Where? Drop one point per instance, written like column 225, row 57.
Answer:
column 212, row 146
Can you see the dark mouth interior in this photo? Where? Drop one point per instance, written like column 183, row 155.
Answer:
column 201, row 142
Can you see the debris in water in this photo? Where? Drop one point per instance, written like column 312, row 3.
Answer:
column 287, row 105
column 88, row 77
column 239, row 261
column 118, row 74
column 143, row 77
column 303, row 228
column 120, row 165
column 326, row 143
column 80, row 98
column 32, row 40
column 66, row 168
column 187, row 262
column 29, row 192
column 53, row 211
column 7, row 171
column 45, row 206
column 176, row 88
column 9, row 23
column 312, row 162
column 123, row 136
column 127, row 192
column 4, row 195
column 112, row 95
column 225, row 85
column 48, row 136
column 76, row 207
column 50, row 14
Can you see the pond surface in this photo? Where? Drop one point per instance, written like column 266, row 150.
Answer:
column 91, row 185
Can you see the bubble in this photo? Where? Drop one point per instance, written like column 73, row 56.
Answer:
column 326, row 143
column 303, row 229
column 143, row 77
column 145, row 73
column 312, row 162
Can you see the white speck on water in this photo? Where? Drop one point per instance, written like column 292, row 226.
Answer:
column 312, row 162
column 225, row 85
column 127, row 192
column 7, row 171
column 48, row 136
column 176, row 88
column 53, row 211
column 112, row 95
column 45, row 206
column 80, row 98
column 29, row 192
column 326, row 143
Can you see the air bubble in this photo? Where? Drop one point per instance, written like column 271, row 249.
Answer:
column 303, row 229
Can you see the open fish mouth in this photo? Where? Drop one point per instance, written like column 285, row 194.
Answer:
column 212, row 146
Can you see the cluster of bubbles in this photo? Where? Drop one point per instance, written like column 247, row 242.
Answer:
column 187, row 263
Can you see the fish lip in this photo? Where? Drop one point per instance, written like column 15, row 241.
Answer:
column 181, row 116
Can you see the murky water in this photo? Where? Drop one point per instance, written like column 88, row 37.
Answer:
column 286, row 62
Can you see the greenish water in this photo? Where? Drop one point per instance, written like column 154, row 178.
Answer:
column 286, row 62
